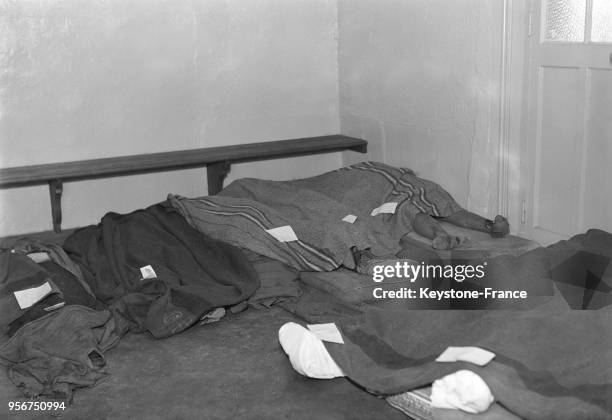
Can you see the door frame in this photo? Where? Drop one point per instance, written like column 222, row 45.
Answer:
column 514, row 78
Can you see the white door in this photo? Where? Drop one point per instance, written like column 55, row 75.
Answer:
column 567, row 151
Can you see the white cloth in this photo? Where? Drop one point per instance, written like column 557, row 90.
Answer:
column 463, row 390
column 307, row 353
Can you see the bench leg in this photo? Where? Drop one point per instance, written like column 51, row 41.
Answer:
column 56, row 189
column 216, row 173
column 363, row 148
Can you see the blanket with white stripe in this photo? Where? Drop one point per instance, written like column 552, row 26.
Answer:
column 314, row 208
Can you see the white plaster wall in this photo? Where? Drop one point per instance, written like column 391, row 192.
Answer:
column 420, row 80
column 94, row 79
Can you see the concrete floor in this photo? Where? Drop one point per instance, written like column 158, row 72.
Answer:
column 233, row 369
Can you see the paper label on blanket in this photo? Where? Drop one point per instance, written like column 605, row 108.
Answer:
column 28, row 297
column 39, row 257
column 474, row 355
column 327, row 332
column 283, row 234
column 148, row 272
column 385, row 208
column 349, row 218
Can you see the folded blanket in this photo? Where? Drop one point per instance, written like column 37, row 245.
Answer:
column 364, row 205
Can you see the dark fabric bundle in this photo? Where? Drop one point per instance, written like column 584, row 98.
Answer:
column 71, row 292
column 55, row 253
column 60, row 351
column 19, row 273
column 53, row 344
column 582, row 269
column 279, row 283
column 189, row 273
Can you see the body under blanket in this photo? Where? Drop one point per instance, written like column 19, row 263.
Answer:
column 156, row 272
column 316, row 209
column 552, row 361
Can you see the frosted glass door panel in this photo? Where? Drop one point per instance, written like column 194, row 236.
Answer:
column 601, row 30
column 564, row 20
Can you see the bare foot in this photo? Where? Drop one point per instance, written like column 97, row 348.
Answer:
column 499, row 227
column 446, row 241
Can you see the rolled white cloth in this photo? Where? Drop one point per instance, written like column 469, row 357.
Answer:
column 463, row 390
column 307, row 353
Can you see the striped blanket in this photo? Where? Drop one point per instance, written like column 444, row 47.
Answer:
column 365, row 205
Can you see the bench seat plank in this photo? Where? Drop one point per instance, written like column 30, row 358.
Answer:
column 218, row 161
column 183, row 159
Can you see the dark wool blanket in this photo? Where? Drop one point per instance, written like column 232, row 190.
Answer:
column 552, row 361
column 316, row 209
column 190, row 273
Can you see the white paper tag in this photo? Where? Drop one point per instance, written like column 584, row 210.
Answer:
column 327, row 332
column 283, row 234
column 28, row 297
column 349, row 218
column 474, row 355
column 385, row 208
column 148, row 272
column 39, row 257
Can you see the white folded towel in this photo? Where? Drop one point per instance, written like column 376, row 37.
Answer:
column 463, row 390
column 307, row 353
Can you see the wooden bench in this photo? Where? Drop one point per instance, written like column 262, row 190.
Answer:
column 217, row 160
